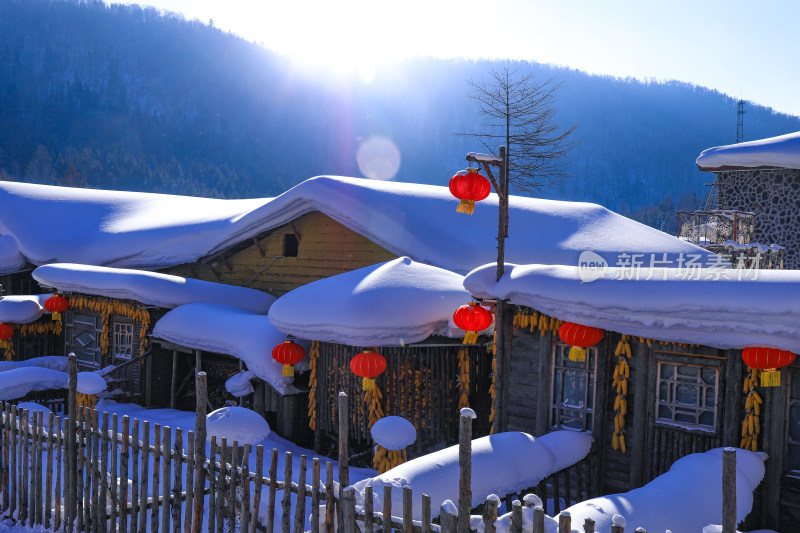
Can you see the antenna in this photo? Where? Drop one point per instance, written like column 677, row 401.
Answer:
column 740, row 121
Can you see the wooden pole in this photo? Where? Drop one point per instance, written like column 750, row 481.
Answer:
column 729, row 490
column 199, row 449
column 408, row 513
column 344, row 431
column 72, row 470
column 349, row 510
column 174, row 383
column 516, row 517
column 465, row 469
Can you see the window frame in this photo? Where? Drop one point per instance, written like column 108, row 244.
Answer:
column 115, row 337
column 70, row 320
column 591, row 368
column 662, row 358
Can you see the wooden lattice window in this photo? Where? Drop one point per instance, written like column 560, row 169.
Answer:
column 123, row 339
column 573, row 389
column 83, row 333
column 687, row 395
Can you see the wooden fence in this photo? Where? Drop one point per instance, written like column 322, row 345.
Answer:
column 96, row 472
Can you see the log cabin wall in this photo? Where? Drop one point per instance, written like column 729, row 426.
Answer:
column 311, row 247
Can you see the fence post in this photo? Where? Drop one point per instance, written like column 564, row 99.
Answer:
column 617, row 523
column 349, row 510
column 516, row 516
column 538, row 519
column 465, row 469
column 72, row 459
column 344, row 473
column 588, row 525
column 489, row 513
column 199, row 451
column 564, row 522
column 729, row 490
column 448, row 519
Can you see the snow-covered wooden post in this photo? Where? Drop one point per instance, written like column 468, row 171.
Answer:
column 465, row 469
column 564, row 522
column 447, row 516
column 199, row 451
column 729, row 490
column 72, row 448
column 617, row 523
column 344, row 472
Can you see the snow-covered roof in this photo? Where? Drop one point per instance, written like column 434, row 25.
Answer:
column 782, row 151
column 228, row 330
column 504, row 463
column 11, row 260
column 388, row 304
column 18, row 382
column 22, row 309
column 142, row 230
column 687, row 497
column 695, row 306
column 149, row 288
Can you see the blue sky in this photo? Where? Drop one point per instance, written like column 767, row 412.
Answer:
column 744, row 49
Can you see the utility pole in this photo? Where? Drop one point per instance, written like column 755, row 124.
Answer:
column 740, row 121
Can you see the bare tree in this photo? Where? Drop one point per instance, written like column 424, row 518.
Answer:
column 518, row 112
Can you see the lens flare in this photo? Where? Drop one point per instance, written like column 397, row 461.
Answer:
column 378, row 158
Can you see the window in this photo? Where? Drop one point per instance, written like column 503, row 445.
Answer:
column 290, row 245
column 83, row 333
column 793, row 422
column 573, row 389
column 123, row 339
column 687, row 395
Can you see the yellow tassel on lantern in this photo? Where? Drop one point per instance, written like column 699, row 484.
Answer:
column 367, row 383
column 466, row 206
column 56, row 316
column 288, row 371
column 577, row 354
column 771, row 377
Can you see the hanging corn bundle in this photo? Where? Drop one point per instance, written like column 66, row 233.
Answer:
column 622, row 372
column 6, row 334
column 313, row 357
column 106, row 307
column 87, row 401
column 463, row 378
column 752, row 409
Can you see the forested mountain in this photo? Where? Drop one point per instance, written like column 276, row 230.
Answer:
column 124, row 97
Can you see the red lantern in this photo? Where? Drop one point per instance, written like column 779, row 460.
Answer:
column 6, row 332
column 367, row 365
column 469, row 187
column 472, row 318
column 56, row 305
column 288, row 353
column 579, row 337
column 769, row 361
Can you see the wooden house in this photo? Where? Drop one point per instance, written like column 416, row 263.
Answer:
column 686, row 388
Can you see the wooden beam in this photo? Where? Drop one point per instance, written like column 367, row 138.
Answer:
column 260, row 248
column 732, row 390
column 294, row 230
column 173, row 384
column 638, row 450
column 543, row 388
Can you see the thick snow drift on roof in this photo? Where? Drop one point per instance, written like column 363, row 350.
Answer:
column 114, row 228
column 688, row 497
column 53, row 362
column 228, row 330
column 782, row 151
column 236, row 424
column 11, row 260
column 162, row 290
column 138, row 230
column 716, row 309
column 22, row 309
column 501, row 464
column 18, row 382
column 390, row 303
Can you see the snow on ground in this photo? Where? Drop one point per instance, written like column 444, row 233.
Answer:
column 688, row 497
column 22, row 309
column 18, row 382
column 11, row 260
column 232, row 331
column 762, row 309
column 501, row 464
column 388, row 304
column 151, row 288
column 53, row 362
column 781, row 151
column 151, row 231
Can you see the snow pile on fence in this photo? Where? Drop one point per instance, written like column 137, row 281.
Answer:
column 688, row 497
column 18, row 382
column 239, row 383
column 151, row 231
column 503, row 463
column 388, row 304
column 236, row 424
column 22, row 309
column 53, row 362
column 232, row 331
column 11, row 260
column 782, row 151
column 151, row 288
column 707, row 307
column 393, row 433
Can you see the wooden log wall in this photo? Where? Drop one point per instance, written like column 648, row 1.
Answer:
column 325, row 248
